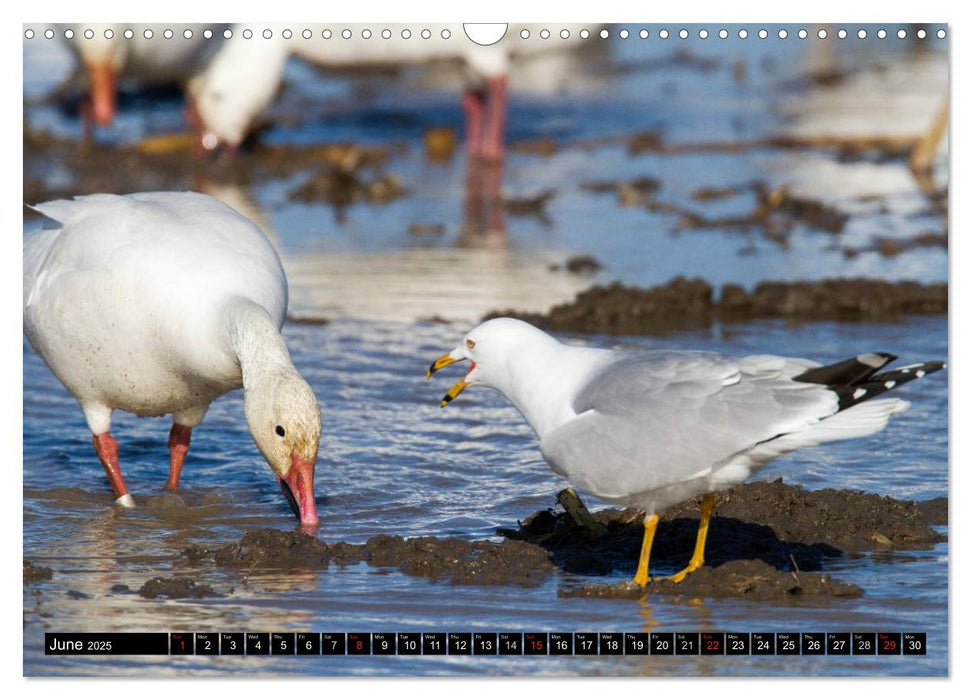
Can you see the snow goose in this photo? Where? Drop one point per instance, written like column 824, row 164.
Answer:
column 159, row 303
column 108, row 57
column 244, row 75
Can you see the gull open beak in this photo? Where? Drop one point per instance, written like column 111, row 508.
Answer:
column 298, row 487
column 458, row 387
column 443, row 361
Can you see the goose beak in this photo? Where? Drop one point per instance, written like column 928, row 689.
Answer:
column 298, row 487
column 103, row 81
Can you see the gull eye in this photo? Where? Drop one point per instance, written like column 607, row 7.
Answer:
column 280, row 431
column 470, row 344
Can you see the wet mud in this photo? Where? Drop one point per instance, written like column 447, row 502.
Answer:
column 684, row 304
column 767, row 541
column 174, row 588
column 456, row 561
column 33, row 574
column 342, row 187
column 751, row 579
column 892, row 247
column 342, row 173
column 531, row 205
column 578, row 265
column 775, row 211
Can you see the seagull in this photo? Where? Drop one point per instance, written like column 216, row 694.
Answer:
column 159, row 303
column 652, row 428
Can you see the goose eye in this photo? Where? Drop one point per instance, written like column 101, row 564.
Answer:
column 470, row 344
column 280, row 431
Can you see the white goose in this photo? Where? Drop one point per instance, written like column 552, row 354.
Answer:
column 108, row 57
column 159, row 303
column 244, row 75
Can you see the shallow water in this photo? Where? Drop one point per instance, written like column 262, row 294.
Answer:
column 393, row 462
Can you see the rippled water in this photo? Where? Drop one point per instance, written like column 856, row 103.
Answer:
column 393, row 462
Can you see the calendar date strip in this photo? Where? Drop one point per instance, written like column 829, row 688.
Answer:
column 486, row 644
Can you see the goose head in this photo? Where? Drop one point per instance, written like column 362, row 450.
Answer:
column 284, row 419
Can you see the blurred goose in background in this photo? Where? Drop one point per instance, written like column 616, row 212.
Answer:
column 243, row 77
column 159, row 303
column 108, row 58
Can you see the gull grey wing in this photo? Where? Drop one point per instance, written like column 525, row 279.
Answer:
column 655, row 419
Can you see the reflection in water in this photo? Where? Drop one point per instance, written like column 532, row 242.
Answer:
column 644, row 606
column 902, row 90
column 482, row 273
column 459, row 284
column 483, row 212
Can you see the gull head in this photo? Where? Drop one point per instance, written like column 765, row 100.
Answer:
column 284, row 420
column 493, row 348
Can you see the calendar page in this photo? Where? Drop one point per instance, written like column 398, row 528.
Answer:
column 546, row 349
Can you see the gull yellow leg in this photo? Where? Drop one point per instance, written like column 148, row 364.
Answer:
column 698, row 558
column 650, row 526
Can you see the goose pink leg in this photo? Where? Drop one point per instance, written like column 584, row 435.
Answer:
column 485, row 119
column 179, row 438
column 106, row 448
column 495, row 119
column 473, row 105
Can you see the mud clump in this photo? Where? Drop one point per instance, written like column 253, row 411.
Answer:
column 166, row 163
column 934, row 511
column 636, row 192
column 679, row 305
column 33, row 574
column 737, row 579
column 809, row 211
column 578, row 265
column 784, row 526
column 176, row 588
column 708, row 194
column 459, row 562
column 269, row 549
column 776, row 211
column 684, row 304
column 538, row 147
column 341, row 187
column 833, row 300
column 892, row 247
column 849, row 520
column 766, row 541
column 530, row 205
